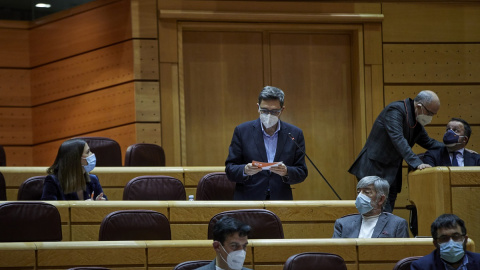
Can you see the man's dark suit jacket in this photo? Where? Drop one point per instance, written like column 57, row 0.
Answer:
column 393, row 134
column 433, row 261
column 440, row 157
column 248, row 145
column 211, row 266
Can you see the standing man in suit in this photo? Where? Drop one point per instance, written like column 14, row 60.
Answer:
column 450, row 239
column 396, row 130
column 230, row 240
column 266, row 139
column 371, row 222
column 455, row 139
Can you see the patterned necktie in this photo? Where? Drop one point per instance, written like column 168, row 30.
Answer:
column 454, row 159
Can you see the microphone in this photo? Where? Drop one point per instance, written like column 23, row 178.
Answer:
column 293, row 139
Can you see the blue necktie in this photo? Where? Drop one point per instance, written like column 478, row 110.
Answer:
column 454, row 159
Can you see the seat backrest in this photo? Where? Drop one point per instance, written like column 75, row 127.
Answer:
column 29, row 222
column 3, row 157
column 125, row 225
column 314, row 261
column 154, row 188
column 264, row 223
column 107, row 151
column 191, row 265
column 3, row 188
column 215, row 187
column 144, row 154
column 404, row 264
column 31, row 189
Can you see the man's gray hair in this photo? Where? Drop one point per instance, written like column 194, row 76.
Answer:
column 271, row 93
column 424, row 97
column 381, row 185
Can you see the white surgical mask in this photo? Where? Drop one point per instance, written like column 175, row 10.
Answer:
column 235, row 259
column 363, row 204
column 424, row 119
column 268, row 120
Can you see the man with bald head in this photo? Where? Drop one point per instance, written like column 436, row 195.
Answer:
column 396, row 130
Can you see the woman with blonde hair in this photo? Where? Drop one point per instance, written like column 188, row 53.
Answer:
column 68, row 178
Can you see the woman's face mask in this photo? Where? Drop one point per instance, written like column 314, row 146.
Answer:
column 92, row 161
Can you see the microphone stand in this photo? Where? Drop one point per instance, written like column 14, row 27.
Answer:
column 293, row 139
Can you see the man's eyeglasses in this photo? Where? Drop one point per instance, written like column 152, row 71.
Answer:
column 272, row 112
column 455, row 237
column 429, row 113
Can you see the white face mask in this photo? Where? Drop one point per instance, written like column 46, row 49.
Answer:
column 424, row 119
column 235, row 259
column 268, row 120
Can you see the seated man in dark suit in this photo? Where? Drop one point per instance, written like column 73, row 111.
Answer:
column 450, row 239
column 230, row 240
column 455, row 139
column 371, row 222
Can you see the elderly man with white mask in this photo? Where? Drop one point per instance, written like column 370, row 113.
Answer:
column 371, row 221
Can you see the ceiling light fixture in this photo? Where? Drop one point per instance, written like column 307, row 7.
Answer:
column 43, row 5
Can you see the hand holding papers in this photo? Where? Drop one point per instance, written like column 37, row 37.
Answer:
column 265, row 165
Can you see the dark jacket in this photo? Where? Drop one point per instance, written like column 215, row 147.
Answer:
column 440, row 157
column 53, row 191
column 248, row 145
column 433, row 261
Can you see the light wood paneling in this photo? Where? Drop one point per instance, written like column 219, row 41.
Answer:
column 167, row 40
column 373, row 43
column 98, row 110
column 147, row 103
column 170, row 108
column 44, row 154
column 144, row 18
column 456, row 101
column 80, row 74
column 145, row 59
column 314, row 69
column 14, row 49
column 431, row 22
column 431, row 63
column 19, row 155
column 15, row 126
column 227, row 66
column 15, row 87
column 18, row 255
column 272, row 6
column 81, row 33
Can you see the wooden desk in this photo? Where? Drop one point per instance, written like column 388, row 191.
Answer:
column 441, row 190
column 113, row 179
column 189, row 220
column 359, row 254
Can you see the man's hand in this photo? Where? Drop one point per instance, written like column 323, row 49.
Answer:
column 280, row 170
column 423, row 166
column 251, row 170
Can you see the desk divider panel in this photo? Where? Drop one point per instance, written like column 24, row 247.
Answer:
column 21, row 254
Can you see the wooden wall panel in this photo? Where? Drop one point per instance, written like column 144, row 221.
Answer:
column 428, row 63
column 15, row 87
column 86, row 113
column 144, row 18
column 14, row 49
column 271, row 6
column 19, row 155
column 44, row 154
column 227, row 66
column 145, row 59
column 80, row 33
column 431, row 22
column 315, row 71
column 456, row 100
column 80, row 74
column 15, row 126
column 147, row 102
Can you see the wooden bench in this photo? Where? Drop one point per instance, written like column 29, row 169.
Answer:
column 189, row 220
column 359, row 254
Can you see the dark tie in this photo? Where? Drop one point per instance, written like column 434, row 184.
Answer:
column 454, row 159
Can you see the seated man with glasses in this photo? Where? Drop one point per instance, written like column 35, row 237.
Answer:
column 266, row 139
column 450, row 238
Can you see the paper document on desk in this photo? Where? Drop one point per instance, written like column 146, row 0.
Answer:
column 265, row 165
